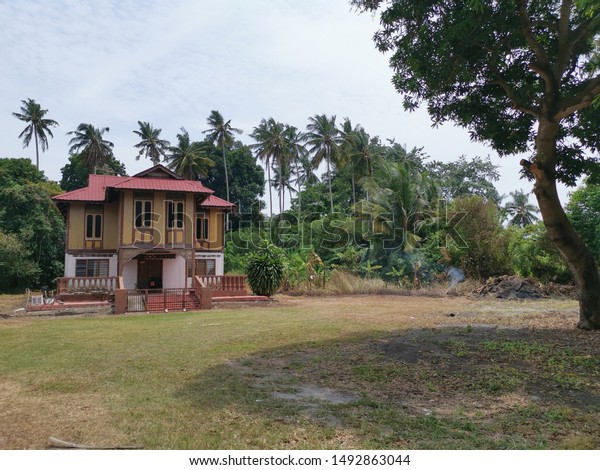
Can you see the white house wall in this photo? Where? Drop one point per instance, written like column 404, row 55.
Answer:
column 174, row 275
column 71, row 261
column 219, row 261
column 130, row 274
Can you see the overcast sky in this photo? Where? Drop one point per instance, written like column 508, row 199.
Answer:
column 112, row 63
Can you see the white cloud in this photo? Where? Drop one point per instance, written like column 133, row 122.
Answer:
column 172, row 62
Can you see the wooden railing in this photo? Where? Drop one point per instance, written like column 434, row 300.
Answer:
column 224, row 283
column 71, row 285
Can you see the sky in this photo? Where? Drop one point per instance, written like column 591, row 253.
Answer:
column 113, row 63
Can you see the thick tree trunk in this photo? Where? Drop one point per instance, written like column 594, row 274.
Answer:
column 580, row 260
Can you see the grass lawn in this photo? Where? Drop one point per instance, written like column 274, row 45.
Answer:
column 335, row 372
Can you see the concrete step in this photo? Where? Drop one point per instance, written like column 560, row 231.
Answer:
column 241, row 298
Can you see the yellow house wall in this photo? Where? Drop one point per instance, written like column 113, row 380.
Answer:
column 159, row 219
column 215, row 229
column 190, row 219
column 127, row 226
column 76, row 224
column 119, row 224
column 110, row 233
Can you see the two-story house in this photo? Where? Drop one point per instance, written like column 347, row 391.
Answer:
column 154, row 229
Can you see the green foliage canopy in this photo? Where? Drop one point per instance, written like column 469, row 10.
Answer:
column 76, row 173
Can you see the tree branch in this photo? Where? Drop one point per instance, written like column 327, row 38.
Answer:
column 526, row 29
column 542, row 67
column 564, row 43
column 510, row 94
column 583, row 99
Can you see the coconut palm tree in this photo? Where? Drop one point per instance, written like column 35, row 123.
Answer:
column 188, row 159
column 357, row 151
column 270, row 148
column 519, row 210
column 89, row 142
column 323, row 138
column 399, row 195
column 37, row 126
column 296, row 151
column 221, row 132
column 151, row 146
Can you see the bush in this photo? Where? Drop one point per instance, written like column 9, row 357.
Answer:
column 532, row 254
column 265, row 270
column 486, row 250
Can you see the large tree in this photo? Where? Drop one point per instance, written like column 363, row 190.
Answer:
column 584, row 213
column 76, row 173
column 247, row 183
column 520, row 75
column 31, row 227
column 89, row 142
column 37, row 126
column 220, row 132
column 151, row 146
column 464, row 177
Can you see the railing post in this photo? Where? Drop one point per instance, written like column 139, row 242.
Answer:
column 120, row 301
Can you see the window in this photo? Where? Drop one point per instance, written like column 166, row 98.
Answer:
column 175, row 214
column 93, row 224
column 91, row 268
column 205, row 267
column 143, row 213
column 202, row 226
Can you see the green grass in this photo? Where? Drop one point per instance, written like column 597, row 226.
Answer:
column 210, row 380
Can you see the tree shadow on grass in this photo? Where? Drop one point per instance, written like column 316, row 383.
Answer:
column 452, row 387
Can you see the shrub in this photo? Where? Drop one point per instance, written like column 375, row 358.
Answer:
column 486, row 250
column 265, row 270
column 532, row 254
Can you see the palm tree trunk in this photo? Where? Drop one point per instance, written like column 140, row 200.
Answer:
column 580, row 260
column 281, row 192
column 37, row 150
column 226, row 180
column 329, row 182
column 270, row 189
column 299, row 193
column 353, row 190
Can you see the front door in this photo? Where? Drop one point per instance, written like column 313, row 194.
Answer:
column 149, row 274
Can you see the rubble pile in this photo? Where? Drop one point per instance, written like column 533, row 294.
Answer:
column 515, row 287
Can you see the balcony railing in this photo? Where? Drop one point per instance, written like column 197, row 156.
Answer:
column 224, row 283
column 72, row 285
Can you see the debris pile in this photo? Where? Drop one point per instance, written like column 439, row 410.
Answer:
column 515, row 287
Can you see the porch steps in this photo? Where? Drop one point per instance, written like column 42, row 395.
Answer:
column 156, row 302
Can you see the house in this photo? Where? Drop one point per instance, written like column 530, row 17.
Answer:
column 152, row 230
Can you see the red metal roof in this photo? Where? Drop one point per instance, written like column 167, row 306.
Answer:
column 162, row 184
column 97, row 185
column 214, row 201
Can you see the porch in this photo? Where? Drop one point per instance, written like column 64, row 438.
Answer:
column 205, row 290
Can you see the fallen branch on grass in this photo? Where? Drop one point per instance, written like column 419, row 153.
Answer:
column 60, row 444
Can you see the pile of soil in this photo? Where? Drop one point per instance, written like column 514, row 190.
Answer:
column 515, row 287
